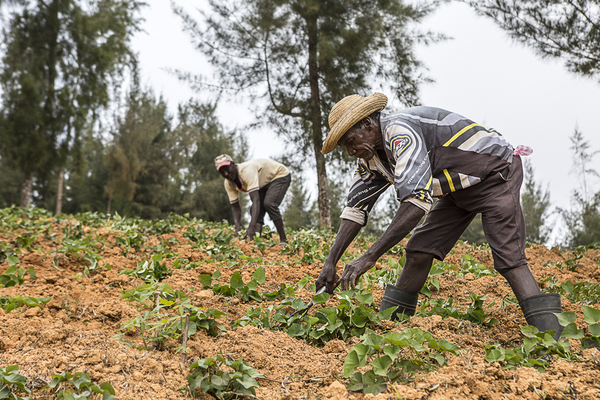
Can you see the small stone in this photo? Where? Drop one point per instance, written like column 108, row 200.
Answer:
column 32, row 312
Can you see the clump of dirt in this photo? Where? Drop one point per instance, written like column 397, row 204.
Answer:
column 76, row 330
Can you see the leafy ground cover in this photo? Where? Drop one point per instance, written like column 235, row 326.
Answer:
column 123, row 308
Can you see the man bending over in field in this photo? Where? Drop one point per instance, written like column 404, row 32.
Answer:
column 426, row 152
column 266, row 181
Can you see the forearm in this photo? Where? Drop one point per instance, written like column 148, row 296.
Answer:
column 406, row 218
column 255, row 210
column 346, row 234
column 236, row 210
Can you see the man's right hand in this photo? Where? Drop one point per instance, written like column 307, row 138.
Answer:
column 327, row 278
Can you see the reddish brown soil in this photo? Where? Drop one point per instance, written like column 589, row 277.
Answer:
column 75, row 332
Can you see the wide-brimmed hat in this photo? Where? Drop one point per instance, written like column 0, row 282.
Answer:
column 347, row 112
column 221, row 160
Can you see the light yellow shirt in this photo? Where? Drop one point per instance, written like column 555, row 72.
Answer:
column 255, row 174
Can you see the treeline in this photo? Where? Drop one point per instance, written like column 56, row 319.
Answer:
column 78, row 132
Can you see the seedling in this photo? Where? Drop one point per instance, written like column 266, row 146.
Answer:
column 208, row 376
column 10, row 303
column 393, row 357
column 13, row 275
column 13, row 384
column 84, row 387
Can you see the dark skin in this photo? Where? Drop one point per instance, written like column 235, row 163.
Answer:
column 364, row 142
column 230, row 172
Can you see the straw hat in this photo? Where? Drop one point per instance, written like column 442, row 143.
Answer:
column 347, row 112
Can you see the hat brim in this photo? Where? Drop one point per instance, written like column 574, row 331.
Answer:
column 358, row 111
column 226, row 162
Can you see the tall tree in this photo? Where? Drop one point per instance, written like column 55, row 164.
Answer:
column 136, row 162
column 297, row 213
column 303, row 55
column 583, row 218
column 197, row 139
column 566, row 29
column 535, row 203
column 62, row 58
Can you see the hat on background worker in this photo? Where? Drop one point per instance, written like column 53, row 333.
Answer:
column 347, row 112
column 221, row 160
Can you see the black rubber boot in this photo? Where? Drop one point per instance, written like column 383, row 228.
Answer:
column 539, row 309
column 406, row 302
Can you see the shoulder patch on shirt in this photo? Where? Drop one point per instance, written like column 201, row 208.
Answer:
column 398, row 144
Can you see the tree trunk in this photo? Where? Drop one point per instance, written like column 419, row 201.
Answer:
column 315, row 116
column 26, row 189
column 59, row 193
column 109, row 202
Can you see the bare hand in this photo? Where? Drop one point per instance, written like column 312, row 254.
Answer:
column 327, row 278
column 250, row 234
column 354, row 270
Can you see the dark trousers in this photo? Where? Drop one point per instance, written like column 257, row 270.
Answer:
column 271, row 196
column 497, row 198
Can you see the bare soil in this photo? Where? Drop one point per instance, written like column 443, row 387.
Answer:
column 75, row 331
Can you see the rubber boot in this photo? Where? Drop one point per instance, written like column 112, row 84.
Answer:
column 394, row 297
column 539, row 309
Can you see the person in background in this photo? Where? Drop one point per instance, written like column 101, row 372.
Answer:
column 266, row 181
column 426, row 152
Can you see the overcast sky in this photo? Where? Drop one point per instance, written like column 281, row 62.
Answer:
column 480, row 74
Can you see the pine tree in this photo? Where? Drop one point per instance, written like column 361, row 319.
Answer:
column 583, row 218
column 535, row 203
column 569, row 30
column 62, row 59
column 297, row 214
column 302, row 56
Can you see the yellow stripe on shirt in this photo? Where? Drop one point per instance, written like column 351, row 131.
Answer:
column 463, row 130
column 449, row 180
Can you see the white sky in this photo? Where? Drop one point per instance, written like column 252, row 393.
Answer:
column 480, row 74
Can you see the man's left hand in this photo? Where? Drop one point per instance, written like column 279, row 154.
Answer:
column 354, row 270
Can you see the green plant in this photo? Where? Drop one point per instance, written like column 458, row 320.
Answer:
column 393, row 356
column 345, row 320
column 12, row 383
column 153, row 271
column 10, row 303
column 580, row 292
column 236, row 285
column 84, row 388
column 166, row 317
column 208, row 376
column 444, row 307
column 535, row 352
column 13, row 275
column 131, row 238
column 469, row 265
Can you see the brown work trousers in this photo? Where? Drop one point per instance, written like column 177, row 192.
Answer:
column 497, row 198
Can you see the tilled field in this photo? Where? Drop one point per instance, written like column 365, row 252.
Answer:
column 78, row 329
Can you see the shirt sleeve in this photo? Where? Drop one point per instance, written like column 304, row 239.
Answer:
column 412, row 175
column 366, row 188
column 232, row 193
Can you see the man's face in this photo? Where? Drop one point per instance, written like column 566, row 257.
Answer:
column 228, row 171
column 360, row 143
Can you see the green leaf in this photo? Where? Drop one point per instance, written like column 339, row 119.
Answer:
column 373, row 384
column 321, row 298
column 205, row 280
column 591, row 315
column 356, row 383
column 594, row 329
column 351, row 362
column 12, row 260
column 566, row 318
column 381, row 365
column 571, row 332
column 236, row 281
column 259, row 275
